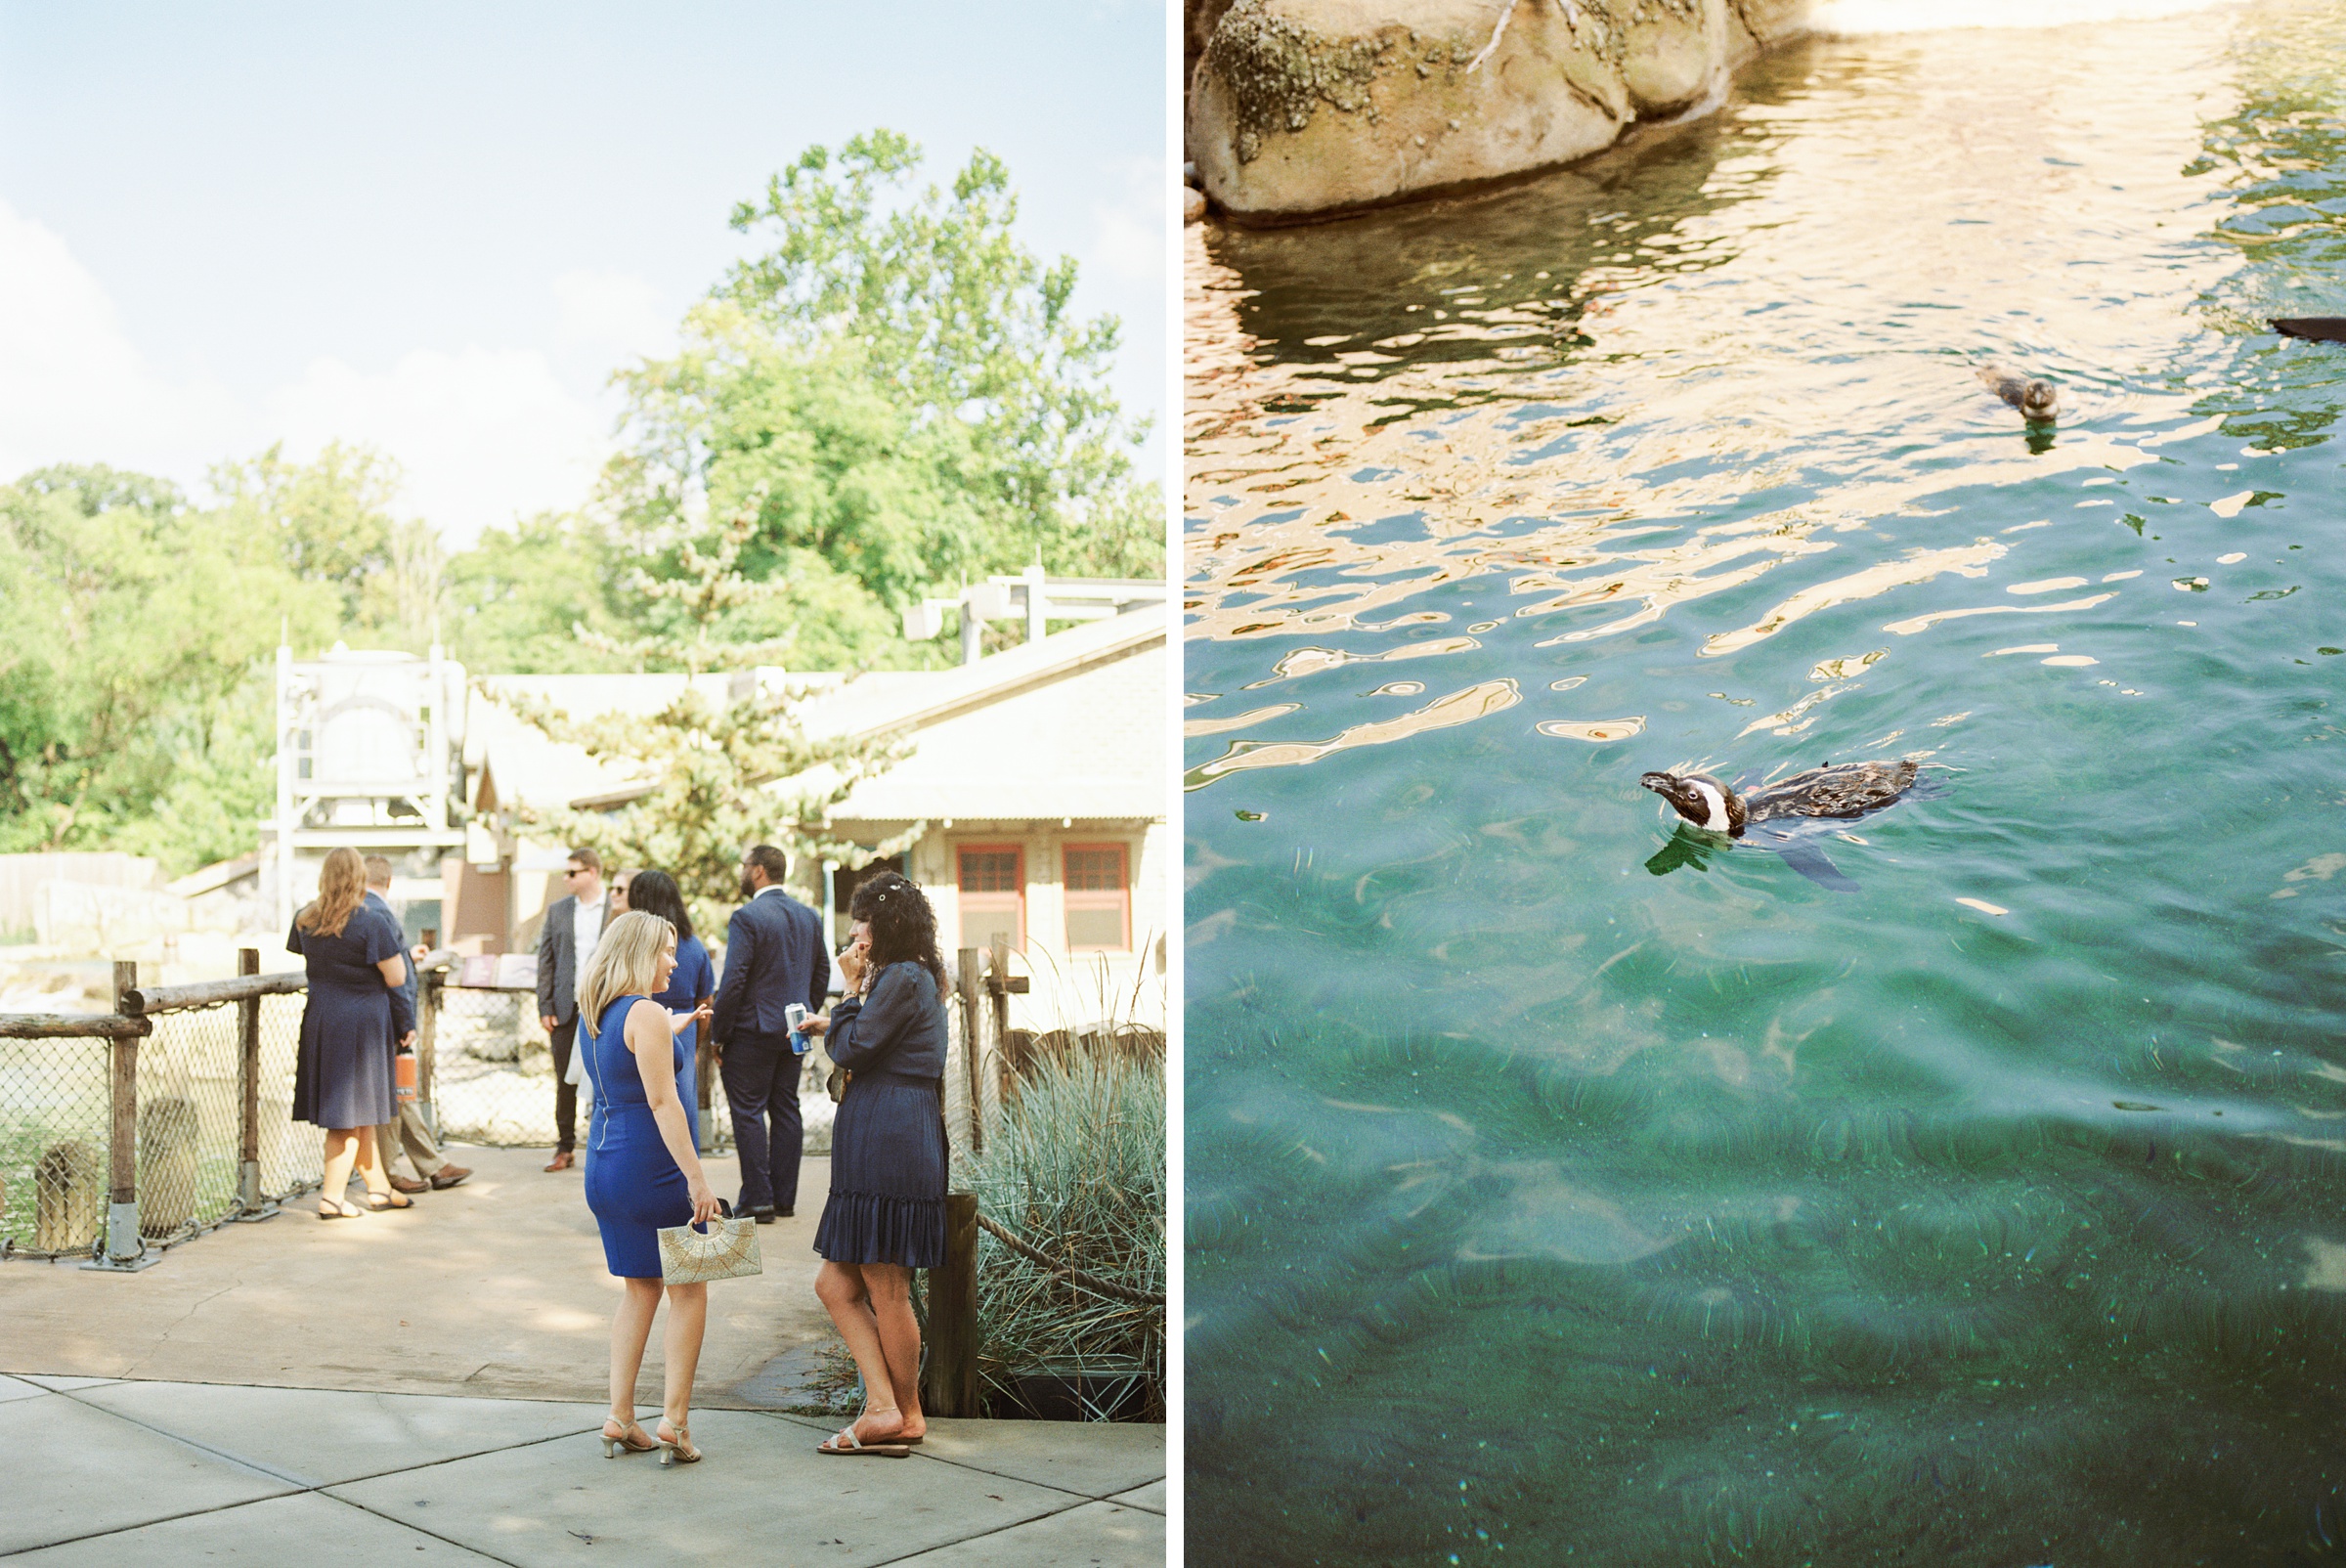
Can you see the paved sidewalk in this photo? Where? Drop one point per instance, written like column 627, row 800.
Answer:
column 496, row 1287
column 103, row 1472
column 426, row 1387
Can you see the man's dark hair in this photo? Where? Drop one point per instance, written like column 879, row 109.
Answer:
column 903, row 926
column 587, row 859
column 655, row 892
column 768, row 860
column 378, row 871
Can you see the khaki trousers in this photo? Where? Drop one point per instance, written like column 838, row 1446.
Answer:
column 407, row 1131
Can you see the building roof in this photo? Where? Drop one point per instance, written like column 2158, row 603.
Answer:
column 1070, row 727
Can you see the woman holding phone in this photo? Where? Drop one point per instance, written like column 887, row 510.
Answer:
column 886, row 1215
column 644, row 1174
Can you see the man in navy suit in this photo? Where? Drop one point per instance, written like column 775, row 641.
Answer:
column 774, row 955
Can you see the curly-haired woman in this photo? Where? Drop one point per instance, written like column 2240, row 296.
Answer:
column 886, row 1215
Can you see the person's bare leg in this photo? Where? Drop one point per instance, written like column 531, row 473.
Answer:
column 341, row 1149
column 370, row 1164
column 839, row 1286
column 631, row 1331
column 891, row 1290
column 687, row 1321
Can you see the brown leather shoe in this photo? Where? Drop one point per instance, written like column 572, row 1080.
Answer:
column 563, row 1159
column 450, row 1176
column 408, row 1185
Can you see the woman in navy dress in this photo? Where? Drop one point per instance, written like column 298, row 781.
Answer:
column 356, row 1008
column 886, row 1215
column 689, row 989
column 643, row 1173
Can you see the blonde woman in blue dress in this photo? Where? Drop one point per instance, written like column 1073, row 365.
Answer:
column 643, row 1174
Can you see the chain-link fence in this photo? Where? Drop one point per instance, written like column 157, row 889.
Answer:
column 490, row 1075
column 191, row 1115
column 152, row 1123
column 55, row 1115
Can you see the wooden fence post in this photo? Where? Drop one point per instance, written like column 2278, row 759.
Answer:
column 124, row 1246
column 248, row 1076
column 949, row 1382
column 998, row 982
column 972, row 1047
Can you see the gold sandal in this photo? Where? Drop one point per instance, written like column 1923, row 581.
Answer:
column 616, row 1438
column 675, row 1444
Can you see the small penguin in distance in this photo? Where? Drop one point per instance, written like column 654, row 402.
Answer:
column 1785, row 816
column 2037, row 399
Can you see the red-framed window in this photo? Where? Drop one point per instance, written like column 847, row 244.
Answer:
column 1098, row 885
column 994, row 894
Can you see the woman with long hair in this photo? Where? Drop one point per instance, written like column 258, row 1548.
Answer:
column 886, row 1215
column 643, row 1173
column 689, row 989
column 356, row 959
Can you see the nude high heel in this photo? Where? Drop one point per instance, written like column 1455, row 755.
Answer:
column 617, row 1439
column 675, row 1444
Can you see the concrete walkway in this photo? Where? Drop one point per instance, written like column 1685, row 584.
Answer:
column 135, row 1473
column 426, row 1387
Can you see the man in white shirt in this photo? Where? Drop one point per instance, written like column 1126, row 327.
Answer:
column 574, row 924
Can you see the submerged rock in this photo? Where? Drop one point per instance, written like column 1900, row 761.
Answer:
column 1300, row 108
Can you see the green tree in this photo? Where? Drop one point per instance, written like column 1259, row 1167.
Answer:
column 710, row 768
column 513, row 600
column 135, row 625
column 896, row 387
column 328, row 520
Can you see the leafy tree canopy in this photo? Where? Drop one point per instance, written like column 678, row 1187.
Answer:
column 135, row 622
column 896, row 387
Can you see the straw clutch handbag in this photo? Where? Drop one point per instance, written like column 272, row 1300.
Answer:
column 727, row 1251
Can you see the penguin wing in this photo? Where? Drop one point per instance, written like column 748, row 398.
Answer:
column 1810, row 862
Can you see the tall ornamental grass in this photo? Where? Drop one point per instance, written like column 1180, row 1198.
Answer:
column 1074, row 1166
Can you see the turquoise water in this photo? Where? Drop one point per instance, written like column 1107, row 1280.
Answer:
column 1566, row 1185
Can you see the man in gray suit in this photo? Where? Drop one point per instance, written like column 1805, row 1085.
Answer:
column 407, row 1129
column 574, row 924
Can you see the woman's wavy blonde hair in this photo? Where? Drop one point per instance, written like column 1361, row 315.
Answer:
column 341, row 889
column 626, row 963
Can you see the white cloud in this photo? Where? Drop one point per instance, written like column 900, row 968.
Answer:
column 73, row 388
column 614, row 312
column 482, row 434
column 1128, row 236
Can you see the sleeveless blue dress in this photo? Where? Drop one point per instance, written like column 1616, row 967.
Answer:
column 633, row 1183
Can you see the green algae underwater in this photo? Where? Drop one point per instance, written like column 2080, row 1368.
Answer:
column 1566, row 1185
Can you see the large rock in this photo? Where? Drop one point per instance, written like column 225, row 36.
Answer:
column 1302, row 108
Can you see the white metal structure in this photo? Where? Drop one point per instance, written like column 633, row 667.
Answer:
column 370, row 750
column 1033, row 597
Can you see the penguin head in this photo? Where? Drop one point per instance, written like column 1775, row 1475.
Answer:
column 2039, row 400
column 1700, row 798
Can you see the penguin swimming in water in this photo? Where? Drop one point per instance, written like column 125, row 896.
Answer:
column 2037, row 399
column 1786, row 816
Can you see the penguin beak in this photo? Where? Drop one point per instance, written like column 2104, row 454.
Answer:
column 1682, row 796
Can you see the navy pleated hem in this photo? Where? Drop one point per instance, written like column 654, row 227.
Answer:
column 870, row 1228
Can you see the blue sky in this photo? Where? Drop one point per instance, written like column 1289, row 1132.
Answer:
column 437, row 228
